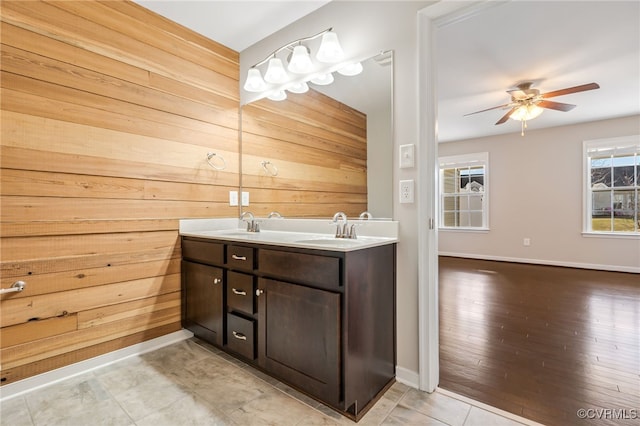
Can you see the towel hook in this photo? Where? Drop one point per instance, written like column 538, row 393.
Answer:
column 15, row 287
column 210, row 156
column 273, row 170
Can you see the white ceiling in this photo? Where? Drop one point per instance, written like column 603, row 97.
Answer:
column 555, row 44
column 234, row 23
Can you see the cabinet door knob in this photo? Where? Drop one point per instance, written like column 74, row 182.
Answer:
column 259, row 292
column 239, row 336
column 217, row 280
column 239, row 292
column 236, row 257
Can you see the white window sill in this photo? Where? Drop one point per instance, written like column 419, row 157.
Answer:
column 628, row 236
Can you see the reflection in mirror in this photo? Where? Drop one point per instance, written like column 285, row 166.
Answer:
column 332, row 148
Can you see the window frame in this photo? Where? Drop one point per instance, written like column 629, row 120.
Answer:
column 624, row 143
column 457, row 161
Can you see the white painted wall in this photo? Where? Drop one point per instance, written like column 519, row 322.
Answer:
column 366, row 28
column 536, row 185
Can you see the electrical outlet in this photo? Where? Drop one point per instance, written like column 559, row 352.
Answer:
column 407, row 156
column 245, row 198
column 406, row 191
column 233, row 198
column 526, row 242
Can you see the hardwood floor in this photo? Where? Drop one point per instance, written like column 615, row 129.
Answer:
column 542, row 342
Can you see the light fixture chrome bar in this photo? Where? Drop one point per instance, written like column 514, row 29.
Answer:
column 288, row 46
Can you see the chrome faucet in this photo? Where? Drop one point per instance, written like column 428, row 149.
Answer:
column 274, row 214
column 342, row 227
column 252, row 224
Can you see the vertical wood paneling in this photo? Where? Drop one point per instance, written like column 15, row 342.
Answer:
column 319, row 148
column 108, row 111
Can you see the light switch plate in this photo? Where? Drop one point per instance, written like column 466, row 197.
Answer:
column 233, row 198
column 406, row 191
column 407, row 156
column 245, row 198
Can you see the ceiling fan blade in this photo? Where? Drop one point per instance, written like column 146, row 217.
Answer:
column 489, row 109
column 568, row 90
column 506, row 116
column 556, row 105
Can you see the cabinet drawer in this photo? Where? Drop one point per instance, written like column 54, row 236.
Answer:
column 241, row 292
column 203, row 251
column 241, row 336
column 320, row 271
column 240, row 257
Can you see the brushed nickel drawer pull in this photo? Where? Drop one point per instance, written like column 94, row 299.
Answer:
column 239, row 336
column 236, row 257
column 259, row 292
column 239, row 292
column 217, row 280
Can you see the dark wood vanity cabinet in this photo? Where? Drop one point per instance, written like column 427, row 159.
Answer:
column 321, row 321
column 300, row 337
column 203, row 303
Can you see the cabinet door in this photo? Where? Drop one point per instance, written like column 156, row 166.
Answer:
column 203, row 290
column 299, row 339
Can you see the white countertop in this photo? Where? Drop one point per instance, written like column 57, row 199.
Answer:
column 300, row 233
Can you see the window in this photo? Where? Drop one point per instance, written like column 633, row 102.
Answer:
column 463, row 191
column 612, row 169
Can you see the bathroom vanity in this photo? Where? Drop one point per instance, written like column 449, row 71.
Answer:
column 312, row 311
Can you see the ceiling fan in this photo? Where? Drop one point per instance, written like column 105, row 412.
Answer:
column 527, row 103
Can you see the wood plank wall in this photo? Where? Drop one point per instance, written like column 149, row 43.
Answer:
column 108, row 112
column 319, row 147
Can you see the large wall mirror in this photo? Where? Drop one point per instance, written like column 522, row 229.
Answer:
column 327, row 150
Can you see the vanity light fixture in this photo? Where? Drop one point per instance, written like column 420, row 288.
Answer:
column 275, row 72
column 323, row 79
column 302, row 69
column 279, row 95
column 301, row 87
column 351, row 69
column 300, row 61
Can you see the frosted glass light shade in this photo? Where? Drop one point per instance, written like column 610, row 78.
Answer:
column 254, row 82
column 276, row 73
column 351, row 69
column 300, row 62
column 298, row 87
column 323, row 79
column 280, row 95
column 526, row 112
column 330, row 50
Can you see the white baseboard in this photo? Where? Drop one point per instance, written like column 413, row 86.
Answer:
column 408, row 377
column 50, row 377
column 612, row 268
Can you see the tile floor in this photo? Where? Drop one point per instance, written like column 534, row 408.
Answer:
column 192, row 383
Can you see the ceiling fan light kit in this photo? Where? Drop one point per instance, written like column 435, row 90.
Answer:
column 301, row 68
column 527, row 103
